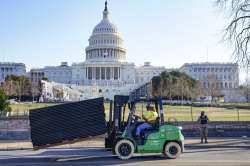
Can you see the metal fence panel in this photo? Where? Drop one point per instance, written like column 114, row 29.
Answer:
column 66, row 123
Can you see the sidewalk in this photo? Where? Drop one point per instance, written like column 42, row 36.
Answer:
column 6, row 145
column 218, row 143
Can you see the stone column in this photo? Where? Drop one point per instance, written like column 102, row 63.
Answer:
column 94, row 73
column 87, row 71
column 112, row 73
column 109, row 50
column 105, row 76
column 119, row 73
column 91, row 74
column 92, row 69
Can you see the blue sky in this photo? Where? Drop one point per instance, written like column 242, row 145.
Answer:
column 166, row 32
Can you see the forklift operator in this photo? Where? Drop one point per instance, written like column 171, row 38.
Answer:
column 149, row 117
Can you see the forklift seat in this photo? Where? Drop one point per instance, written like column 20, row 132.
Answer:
column 146, row 132
column 156, row 125
column 154, row 128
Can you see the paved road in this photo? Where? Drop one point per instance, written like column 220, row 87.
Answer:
column 193, row 156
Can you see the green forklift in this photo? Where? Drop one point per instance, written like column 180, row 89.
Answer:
column 163, row 138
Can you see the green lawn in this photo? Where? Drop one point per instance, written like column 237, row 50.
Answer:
column 236, row 103
column 183, row 113
column 180, row 113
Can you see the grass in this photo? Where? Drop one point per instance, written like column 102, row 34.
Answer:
column 23, row 108
column 183, row 113
column 179, row 113
column 236, row 103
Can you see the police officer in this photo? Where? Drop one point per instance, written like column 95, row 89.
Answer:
column 203, row 120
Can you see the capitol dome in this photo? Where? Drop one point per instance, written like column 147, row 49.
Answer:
column 105, row 42
column 105, row 26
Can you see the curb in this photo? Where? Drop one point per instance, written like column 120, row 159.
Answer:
column 13, row 149
column 215, row 146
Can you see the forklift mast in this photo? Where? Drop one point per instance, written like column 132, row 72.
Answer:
column 116, row 121
column 120, row 103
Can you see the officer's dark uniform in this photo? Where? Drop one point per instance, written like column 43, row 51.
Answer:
column 203, row 120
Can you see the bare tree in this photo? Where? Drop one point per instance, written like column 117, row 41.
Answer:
column 35, row 90
column 245, row 88
column 8, row 87
column 23, row 87
column 17, row 86
column 213, row 88
column 238, row 28
column 197, row 91
column 246, row 92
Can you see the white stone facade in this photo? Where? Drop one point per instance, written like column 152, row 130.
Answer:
column 146, row 72
column 225, row 77
column 36, row 75
column 10, row 68
column 105, row 67
column 59, row 74
column 226, row 74
column 78, row 74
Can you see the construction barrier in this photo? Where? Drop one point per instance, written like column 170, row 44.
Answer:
column 67, row 123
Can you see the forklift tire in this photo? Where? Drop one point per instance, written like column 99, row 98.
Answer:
column 172, row 150
column 124, row 149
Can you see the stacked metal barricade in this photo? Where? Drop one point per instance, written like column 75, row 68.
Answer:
column 67, row 123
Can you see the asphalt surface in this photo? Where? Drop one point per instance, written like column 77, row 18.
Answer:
column 223, row 152
column 99, row 156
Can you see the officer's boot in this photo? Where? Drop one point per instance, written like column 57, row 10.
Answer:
column 206, row 139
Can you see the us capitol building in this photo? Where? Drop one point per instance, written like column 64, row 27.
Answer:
column 105, row 70
column 105, row 63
